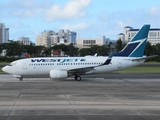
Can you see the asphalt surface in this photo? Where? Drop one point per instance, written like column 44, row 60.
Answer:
column 103, row 97
column 110, row 76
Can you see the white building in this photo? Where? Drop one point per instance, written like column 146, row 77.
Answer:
column 122, row 37
column 4, row 33
column 24, row 40
column 51, row 38
column 87, row 42
column 129, row 32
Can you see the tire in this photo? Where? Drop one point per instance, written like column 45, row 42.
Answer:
column 21, row 79
column 78, row 78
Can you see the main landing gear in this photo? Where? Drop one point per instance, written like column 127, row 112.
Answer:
column 20, row 78
column 77, row 77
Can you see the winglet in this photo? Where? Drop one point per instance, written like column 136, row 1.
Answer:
column 95, row 55
column 108, row 59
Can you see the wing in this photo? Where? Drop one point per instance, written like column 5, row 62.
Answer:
column 82, row 71
column 90, row 69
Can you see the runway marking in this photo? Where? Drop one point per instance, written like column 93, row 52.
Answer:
column 80, row 118
column 9, row 113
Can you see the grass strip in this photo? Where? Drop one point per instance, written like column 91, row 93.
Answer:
column 1, row 72
column 140, row 70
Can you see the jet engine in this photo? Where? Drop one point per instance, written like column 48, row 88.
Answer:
column 58, row 74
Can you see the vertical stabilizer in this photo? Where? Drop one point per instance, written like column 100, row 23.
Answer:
column 136, row 47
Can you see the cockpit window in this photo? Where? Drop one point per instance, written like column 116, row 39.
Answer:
column 11, row 64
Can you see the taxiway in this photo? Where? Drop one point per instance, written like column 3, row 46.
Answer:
column 118, row 97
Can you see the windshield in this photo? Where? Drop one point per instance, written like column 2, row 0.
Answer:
column 12, row 63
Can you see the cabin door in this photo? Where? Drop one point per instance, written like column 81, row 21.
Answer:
column 25, row 65
column 119, row 64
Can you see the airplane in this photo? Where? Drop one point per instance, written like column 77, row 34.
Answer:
column 63, row 67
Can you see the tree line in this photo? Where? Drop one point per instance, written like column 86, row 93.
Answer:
column 15, row 48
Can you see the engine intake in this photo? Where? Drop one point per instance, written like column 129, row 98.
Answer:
column 58, row 74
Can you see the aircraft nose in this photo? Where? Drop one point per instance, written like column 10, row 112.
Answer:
column 4, row 69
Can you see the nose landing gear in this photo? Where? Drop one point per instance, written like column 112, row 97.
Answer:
column 18, row 77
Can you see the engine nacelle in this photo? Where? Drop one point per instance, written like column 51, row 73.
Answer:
column 58, row 74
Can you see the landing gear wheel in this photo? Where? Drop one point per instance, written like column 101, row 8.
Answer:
column 77, row 77
column 21, row 79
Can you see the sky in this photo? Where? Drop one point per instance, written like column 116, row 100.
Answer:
column 88, row 18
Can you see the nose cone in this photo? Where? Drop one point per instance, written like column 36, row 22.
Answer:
column 5, row 69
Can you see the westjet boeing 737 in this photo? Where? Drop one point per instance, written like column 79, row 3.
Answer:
column 63, row 67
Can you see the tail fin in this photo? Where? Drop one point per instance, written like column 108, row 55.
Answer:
column 135, row 48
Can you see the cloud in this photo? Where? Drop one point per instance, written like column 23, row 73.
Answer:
column 24, row 9
column 83, row 29
column 37, row 32
column 154, row 11
column 79, row 26
column 48, row 10
column 153, row 16
column 17, row 25
column 121, row 23
column 72, row 9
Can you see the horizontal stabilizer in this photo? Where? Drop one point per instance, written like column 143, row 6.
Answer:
column 144, row 58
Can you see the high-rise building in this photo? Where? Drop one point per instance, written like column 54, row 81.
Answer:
column 44, row 39
column 24, row 40
column 4, row 33
column 51, row 38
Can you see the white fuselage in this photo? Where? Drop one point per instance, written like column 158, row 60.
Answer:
column 43, row 66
